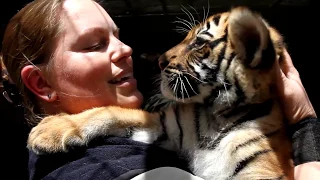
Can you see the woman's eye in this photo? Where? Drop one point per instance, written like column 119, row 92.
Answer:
column 96, row 47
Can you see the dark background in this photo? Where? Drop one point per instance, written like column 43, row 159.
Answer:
column 146, row 26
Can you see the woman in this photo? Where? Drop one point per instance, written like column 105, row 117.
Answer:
column 66, row 56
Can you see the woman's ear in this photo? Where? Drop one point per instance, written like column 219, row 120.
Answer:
column 36, row 82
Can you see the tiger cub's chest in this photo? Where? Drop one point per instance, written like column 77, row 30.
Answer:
column 243, row 148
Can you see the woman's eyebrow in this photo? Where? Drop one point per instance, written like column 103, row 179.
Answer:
column 93, row 30
column 89, row 32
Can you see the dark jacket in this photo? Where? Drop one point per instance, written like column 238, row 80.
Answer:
column 106, row 158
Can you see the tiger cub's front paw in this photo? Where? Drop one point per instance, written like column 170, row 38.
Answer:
column 55, row 134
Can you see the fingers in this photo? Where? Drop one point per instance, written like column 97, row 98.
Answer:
column 288, row 68
column 286, row 63
column 279, row 70
column 287, row 58
column 280, row 79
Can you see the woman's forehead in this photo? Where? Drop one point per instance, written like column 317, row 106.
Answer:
column 85, row 14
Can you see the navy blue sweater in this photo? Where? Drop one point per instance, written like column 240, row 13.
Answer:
column 106, row 158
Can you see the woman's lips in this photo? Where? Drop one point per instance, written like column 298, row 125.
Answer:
column 120, row 78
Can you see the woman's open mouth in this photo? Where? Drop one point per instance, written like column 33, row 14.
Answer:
column 124, row 81
column 119, row 80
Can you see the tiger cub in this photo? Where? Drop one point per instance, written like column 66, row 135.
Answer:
column 221, row 114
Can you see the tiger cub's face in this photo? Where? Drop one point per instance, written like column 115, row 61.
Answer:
column 227, row 58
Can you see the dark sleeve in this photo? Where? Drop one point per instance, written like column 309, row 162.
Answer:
column 306, row 141
column 109, row 158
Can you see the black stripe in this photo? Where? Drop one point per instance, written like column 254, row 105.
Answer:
column 257, row 111
column 222, row 54
column 204, row 142
column 197, row 109
column 200, row 41
column 206, row 55
column 129, row 132
column 177, row 113
column 179, row 67
column 220, row 58
column 210, row 118
column 255, row 139
column 229, row 61
column 239, row 92
column 248, row 142
column 213, row 94
column 208, row 25
column 216, row 19
column 268, row 57
column 216, row 42
column 213, row 73
column 277, row 178
column 242, row 164
column 207, row 33
column 226, row 78
column 164, row 135
column 190, row 65
column 167, row 71
column 226, row 31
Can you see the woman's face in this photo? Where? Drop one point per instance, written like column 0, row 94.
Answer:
column 91, row 66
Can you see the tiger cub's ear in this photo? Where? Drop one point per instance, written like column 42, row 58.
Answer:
column 250, row 38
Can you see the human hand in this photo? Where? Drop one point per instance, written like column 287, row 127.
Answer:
column 293, row 97
column 309, row 171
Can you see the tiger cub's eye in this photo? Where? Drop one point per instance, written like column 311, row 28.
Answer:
column 199, row 42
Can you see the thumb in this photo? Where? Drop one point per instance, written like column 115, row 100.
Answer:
column 281, row 79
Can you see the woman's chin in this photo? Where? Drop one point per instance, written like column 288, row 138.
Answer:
column 133, row 101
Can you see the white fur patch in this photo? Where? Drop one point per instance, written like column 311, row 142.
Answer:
column 198, row 69
column 209, row 63
column 144, row 135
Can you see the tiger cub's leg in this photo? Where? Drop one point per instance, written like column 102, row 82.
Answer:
column 58, row 132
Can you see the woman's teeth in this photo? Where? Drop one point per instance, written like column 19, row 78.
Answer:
column 118, row 80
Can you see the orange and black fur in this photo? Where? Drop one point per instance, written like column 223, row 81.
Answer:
column 221, row 111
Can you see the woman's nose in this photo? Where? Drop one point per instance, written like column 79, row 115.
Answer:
column 120, row 51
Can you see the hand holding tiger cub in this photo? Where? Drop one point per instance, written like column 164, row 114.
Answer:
column 297, row 106
column 293, row 97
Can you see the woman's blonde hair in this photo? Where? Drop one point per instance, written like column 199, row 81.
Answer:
column 29, row 39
